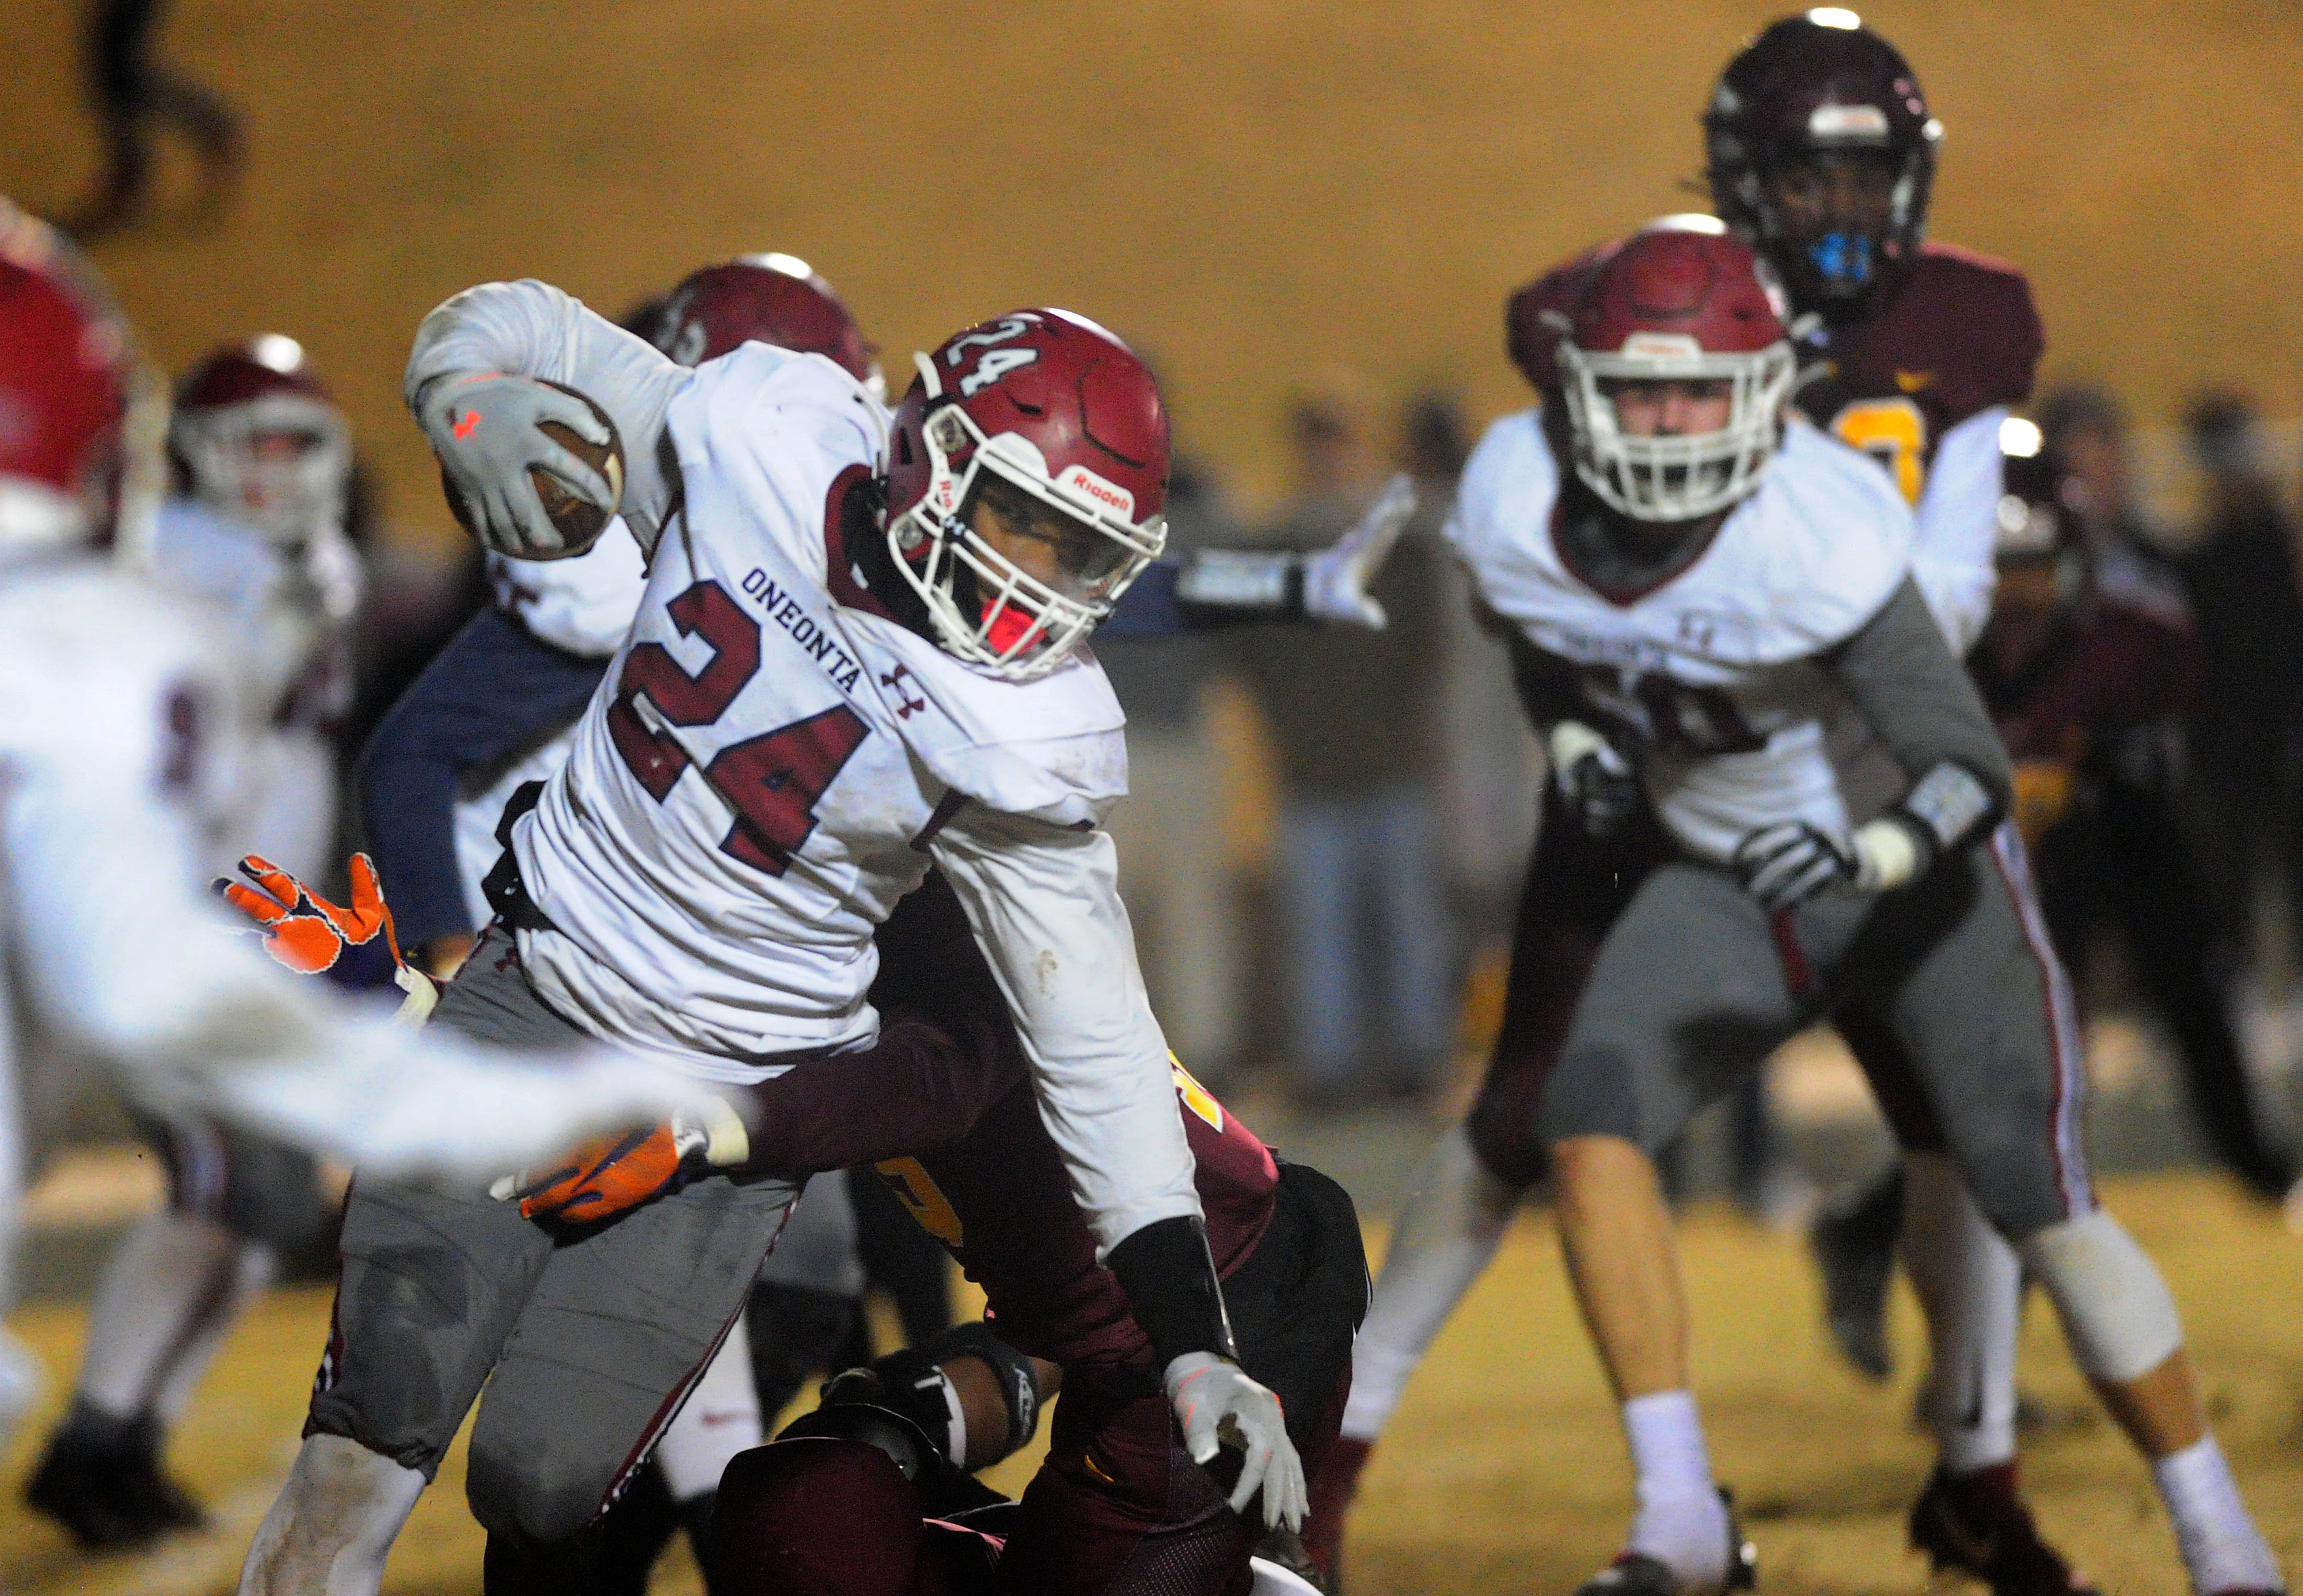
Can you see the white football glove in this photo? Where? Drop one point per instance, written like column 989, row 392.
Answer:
column 485, row 428
column 1219, row 1406
column 1787, row 864
column 1336, row 579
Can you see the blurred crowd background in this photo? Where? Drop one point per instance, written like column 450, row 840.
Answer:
column 1309, row 216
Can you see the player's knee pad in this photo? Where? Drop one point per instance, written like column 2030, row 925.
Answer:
column 531, row 1499
column 814, row 1516
column 2115, row 1309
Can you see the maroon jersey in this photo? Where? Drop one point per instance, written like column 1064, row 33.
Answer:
column 964, row 1145
column 1954, row 335
column 2122, row 658
column 1000, row 1200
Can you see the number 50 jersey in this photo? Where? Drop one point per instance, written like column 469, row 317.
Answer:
column 764, row 769
column 1711, row 676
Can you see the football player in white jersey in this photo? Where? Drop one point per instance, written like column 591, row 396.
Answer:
column 123, row 715
column 858, row 655
column 1691, row 605
column 265, row 459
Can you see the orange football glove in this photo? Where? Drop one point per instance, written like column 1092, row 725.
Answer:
column 354, row 947
column 605, row 1177
column 2044, row 790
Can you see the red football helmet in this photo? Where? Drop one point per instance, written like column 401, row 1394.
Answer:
column 260, row 440
column 764, row 298
column 1050, row 427
column 78, row 419
column 1680, row 301
column 1813, row 84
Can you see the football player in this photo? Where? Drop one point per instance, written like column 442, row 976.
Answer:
column 958, row 1138
column 123, row 716
column 1718, row 587
column 264, row 460
column 857, row 655
column 1821, row 154
column 497, row 711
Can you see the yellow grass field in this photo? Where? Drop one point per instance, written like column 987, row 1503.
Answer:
column 1504, row 1475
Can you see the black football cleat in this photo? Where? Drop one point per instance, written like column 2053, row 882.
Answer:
column 1636, row 1574
column 1978, row 1524
column 1854, row 1247
column 111, row 1495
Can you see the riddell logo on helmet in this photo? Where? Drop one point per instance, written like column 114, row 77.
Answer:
column 1080, row 480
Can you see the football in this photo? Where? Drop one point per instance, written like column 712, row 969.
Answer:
column 579, row 521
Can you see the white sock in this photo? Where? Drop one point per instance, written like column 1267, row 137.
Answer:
column 1445, row 1235
column 2221, row 1547
column 1970, row 1288
column 1680, row 1521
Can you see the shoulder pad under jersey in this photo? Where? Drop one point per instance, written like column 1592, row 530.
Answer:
column 1053, row 748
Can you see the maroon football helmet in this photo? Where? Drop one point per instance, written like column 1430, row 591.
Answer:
column 78, row 420
column 1816, row 84
column 776, row 299
column 260, row 441
column 1680, row 301
column 1050, row 423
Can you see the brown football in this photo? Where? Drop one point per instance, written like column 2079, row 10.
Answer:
column 577, row 519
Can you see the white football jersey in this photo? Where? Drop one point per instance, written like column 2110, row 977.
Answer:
column 582, row 605
column 125, row 716
column 753, row 787
column 768, row 767
column 1711, row 675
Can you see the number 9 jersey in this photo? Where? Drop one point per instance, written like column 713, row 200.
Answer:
column 1711, row 676
column 765, row 768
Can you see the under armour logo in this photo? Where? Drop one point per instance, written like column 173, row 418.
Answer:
column 903, row 706
column 465, row 424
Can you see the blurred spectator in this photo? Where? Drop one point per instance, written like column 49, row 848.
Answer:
column 1173, row 873
column 2240, row 572
column 2089, row 659
column 1356, row 717
column 136, row 98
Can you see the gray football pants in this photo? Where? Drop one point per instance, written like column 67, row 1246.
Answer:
column 1697, row 982
column 586, row 1346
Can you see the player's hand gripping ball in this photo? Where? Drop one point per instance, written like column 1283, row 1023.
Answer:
column 353, row 947
column 532, row 469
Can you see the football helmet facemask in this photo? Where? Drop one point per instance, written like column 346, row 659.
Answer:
column 1026, row 479
column 1679, row 302
column 1819, row 102
column 260, row 441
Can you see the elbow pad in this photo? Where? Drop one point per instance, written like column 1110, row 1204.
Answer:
column 1170, row 1279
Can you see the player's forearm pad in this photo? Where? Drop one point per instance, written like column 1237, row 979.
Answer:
column 903, row 1372
column 1244, row 579
column 1948, row 805
column 2115, row 1309
column 1170, row 1279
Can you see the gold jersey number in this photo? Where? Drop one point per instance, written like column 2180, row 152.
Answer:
column 1893, row 433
